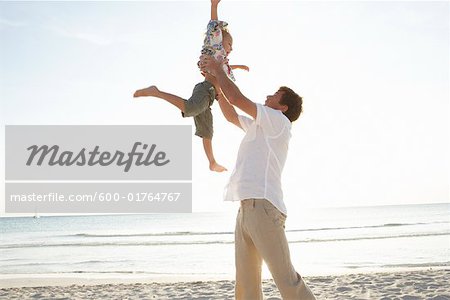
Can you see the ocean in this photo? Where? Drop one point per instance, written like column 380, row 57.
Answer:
column 322, row 242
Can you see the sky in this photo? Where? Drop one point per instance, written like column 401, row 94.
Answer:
column 374, row 77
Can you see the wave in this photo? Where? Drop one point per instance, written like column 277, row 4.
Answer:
column 177, row 273
column 218, row 242
column 365, row 227
column 177, row 233
column 191, row 233
column 443, row 264
column 47, row 263
column 371, row 237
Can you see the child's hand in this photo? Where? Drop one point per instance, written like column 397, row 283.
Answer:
column 214, row 5
column 242, row 67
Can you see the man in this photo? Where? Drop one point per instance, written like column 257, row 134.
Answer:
column 256, row 183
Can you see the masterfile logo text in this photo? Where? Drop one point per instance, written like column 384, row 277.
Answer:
column 98, row 169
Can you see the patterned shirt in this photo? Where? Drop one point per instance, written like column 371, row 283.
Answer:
column 212, row 45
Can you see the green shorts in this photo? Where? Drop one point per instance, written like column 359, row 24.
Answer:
column 198, row 106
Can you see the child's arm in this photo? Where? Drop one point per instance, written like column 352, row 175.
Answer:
column 214, row 5
column 242, row 67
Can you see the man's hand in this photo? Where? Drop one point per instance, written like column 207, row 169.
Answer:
column 215, row 2
column 210, row 78
column 210, row 65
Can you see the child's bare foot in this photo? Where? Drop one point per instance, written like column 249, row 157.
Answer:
column 150, row 91
column 216, row 167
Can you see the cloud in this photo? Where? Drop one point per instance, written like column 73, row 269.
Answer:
column 130, row 38
column 79, row 35
column 4, row 23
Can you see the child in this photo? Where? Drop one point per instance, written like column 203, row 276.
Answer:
column 218, row 43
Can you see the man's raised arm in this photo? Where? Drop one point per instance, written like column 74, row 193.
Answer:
column 228, row 110
column 229, row 89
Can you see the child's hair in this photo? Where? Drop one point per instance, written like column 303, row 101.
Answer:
column 225, row 33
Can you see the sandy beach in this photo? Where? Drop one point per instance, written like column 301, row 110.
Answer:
column 422, row 284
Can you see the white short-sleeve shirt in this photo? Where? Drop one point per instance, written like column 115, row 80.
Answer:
column 261, row 158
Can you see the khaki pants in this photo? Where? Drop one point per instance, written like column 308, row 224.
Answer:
column 260, row 236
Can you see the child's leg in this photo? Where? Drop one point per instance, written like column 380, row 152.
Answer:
column 201, row 99
column 154, row 92
column 198, row 107
column 213, row 165
column 204, row 129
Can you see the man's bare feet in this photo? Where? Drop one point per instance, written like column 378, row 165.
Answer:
column 150, row 91
column 216, row 167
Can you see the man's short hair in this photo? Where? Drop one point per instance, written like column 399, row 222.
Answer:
column 293, row 102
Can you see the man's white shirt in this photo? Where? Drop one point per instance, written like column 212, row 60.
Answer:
column 261, row 158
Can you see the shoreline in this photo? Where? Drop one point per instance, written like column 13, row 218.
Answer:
column 67, row 279
column 430, row 283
